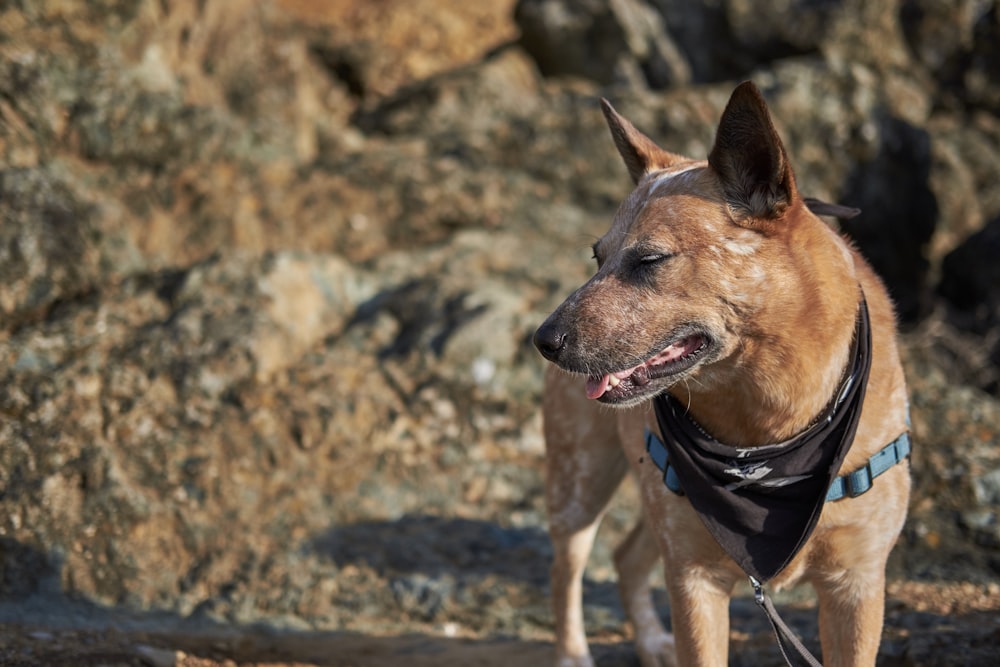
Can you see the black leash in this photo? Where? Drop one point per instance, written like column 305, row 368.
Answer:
column 787, row 641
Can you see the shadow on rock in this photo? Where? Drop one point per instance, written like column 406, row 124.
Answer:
column 899, row 213
column 24, row 569
column 426, row 316
column 436, row 545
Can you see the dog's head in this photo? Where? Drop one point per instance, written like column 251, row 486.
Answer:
column 692, row 256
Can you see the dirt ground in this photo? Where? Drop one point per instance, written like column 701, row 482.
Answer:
column 926, row 624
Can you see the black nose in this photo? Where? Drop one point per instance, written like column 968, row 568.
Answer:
column 550, row 340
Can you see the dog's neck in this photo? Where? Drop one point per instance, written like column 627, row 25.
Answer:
column 776, row 385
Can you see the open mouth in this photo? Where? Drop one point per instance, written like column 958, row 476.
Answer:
column 678, row 356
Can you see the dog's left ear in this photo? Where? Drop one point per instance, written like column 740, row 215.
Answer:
column 750, row 160
column 640, row 153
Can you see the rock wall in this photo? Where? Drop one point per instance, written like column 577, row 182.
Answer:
column 268, row 274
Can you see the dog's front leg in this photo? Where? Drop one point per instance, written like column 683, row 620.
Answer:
column 699, row 576
column 850, row 619
column 699, row 616
column 849, row 569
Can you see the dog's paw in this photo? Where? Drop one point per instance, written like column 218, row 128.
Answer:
column 657, row 650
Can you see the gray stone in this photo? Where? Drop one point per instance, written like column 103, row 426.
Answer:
column 621, row 41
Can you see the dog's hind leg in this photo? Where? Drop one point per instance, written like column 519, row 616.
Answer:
column 634, row 560
column 584, row 465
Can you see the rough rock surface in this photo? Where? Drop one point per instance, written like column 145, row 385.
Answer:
column 268, row 276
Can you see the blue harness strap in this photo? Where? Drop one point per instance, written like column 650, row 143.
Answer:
column 850, row 485
column 857, row 482
column 658, row 452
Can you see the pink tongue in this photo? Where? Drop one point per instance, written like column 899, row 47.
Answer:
column 596, row 386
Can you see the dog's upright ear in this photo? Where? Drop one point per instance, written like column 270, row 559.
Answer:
column 750, row 159
column 640, row 153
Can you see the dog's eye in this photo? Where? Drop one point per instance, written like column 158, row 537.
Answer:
column 653, row 258
column 643, row 264
column 648, row 260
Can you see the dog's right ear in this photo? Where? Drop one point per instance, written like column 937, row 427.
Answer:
column 750, row 159
column 640, row 153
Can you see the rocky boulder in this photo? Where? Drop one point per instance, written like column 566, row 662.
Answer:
column 269, row 272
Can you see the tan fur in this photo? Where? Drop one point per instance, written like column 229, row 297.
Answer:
column 778, row 291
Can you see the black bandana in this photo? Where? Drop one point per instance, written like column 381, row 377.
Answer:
column 762, row 503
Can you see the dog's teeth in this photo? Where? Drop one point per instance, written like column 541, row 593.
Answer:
column 613, row 381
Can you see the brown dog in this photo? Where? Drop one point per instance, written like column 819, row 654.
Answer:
column 716, row 285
